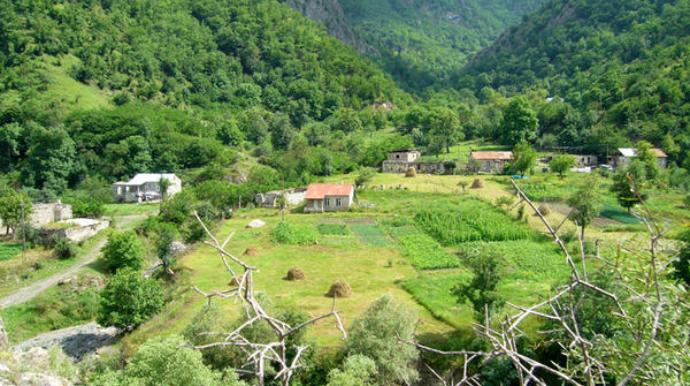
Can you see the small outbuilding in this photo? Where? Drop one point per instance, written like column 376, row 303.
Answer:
column 624, row 156
column 489, row 161
column 329, row 198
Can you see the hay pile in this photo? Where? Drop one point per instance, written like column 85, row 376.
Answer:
column 251, row 251
column 235, row 282
column 544, row 210
column 411, row 172
column 339, row 289
column 295, row 274
column 477, row 184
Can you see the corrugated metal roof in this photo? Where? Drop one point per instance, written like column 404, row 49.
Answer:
column 320, row 191
column 492, row 155
column 142, row 178
column 629, row 152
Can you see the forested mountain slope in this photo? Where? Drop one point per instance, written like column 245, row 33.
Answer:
column 622, row 68
column 188, row 76
column 418, row 41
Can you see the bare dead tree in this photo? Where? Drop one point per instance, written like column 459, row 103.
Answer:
column 645, row 292
column 258, row 354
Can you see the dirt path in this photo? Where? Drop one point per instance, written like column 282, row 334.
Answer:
column 34, row 289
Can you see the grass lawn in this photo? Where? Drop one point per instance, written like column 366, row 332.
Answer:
column 9, row 250
column 130, row 209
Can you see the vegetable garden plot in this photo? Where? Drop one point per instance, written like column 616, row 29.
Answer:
column 471, row 221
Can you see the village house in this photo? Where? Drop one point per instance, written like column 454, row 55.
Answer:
column 329, row 198
column 624, row 156
column 293, row 197
column 145, row 187
column 400, row 160
column 488, row 161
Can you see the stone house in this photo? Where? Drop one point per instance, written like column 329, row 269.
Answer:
column 400, row 160
column 293, row 196
column 488, row 161
column 624, row 156
column 145, row 187
column 329, row 198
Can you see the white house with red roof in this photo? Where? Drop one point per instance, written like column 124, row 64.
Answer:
column 329, row 198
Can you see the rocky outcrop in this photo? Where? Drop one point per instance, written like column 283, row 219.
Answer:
column 330, row 13
column 35, row 367
column 76, row 342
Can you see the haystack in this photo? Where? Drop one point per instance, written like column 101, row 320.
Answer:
column 295, row 274
column 411, row 172
column 235, row 282
column 544, row 209
column 251, row 251
column 478, row 183
column 340, row 289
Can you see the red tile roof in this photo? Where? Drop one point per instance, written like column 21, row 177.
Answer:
column 320, row 191
column 492, row 155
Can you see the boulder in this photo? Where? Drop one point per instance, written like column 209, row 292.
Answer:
column 256, row 224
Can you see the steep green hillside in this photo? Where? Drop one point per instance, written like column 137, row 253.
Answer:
column 190, row 76
column 418, row 41
column 621, row 68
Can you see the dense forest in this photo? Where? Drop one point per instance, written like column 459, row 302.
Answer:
column 111, row 88
column 420, row 43
column 613, row 72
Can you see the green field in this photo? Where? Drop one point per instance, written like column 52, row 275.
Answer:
column 384, row 248
column 9, row 250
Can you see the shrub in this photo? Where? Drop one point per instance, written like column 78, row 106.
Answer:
column 357, row 371
column 165, row 361
column 123, row 250
column 286, row 233
column 129, row 299
column 375, row 334
column 64, row 249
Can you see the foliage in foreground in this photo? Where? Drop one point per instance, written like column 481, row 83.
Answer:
column 129, row 299
column 164, row 361
column 375, row 335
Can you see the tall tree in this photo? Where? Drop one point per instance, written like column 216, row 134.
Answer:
column 524, row 158
column 586, row 204
column 519, row 123
column 481, row 292
column 51, row 159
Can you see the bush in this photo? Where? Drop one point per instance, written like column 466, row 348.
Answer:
column 375, row 335
column 129, row 299
column 64, row 249
column 123, row 250
column 87, row 207
column 285, row 233
column 165, row 361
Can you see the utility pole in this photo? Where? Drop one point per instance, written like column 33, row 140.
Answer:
column 23, row 233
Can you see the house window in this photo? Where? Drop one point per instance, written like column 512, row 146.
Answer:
column 397, row 156
column 328, row 202
column 338, row 202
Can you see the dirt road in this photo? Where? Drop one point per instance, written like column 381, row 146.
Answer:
column 32, row 290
